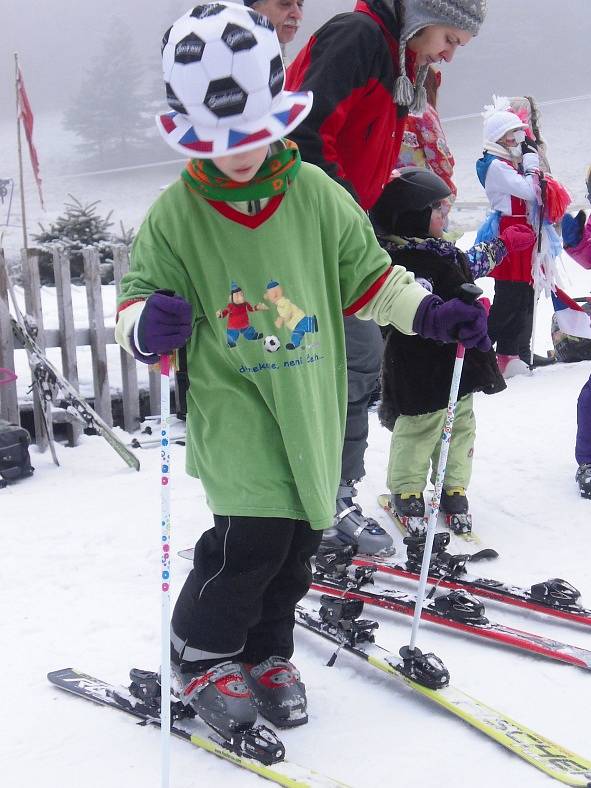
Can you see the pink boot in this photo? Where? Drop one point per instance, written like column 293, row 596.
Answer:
column 510, row 366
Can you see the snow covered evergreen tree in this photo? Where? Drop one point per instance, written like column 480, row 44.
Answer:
column 80, row 226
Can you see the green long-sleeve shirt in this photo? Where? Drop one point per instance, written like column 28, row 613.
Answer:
column 265, row 429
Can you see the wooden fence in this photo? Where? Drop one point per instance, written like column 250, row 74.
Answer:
column 68, row 338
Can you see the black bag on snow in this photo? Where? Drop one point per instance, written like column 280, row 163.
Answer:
column 15, row 462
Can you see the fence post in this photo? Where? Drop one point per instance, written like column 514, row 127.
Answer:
column 96, row 325
column 131, row 401
column 8, row 394
column 65, row 311
column 32, row 288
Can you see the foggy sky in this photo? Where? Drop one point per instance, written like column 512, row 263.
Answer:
column 532, row 47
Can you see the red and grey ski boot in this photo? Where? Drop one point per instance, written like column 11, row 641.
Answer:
column 278, row 691
column 219, row 696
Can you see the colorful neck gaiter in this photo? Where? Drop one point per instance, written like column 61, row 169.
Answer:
column 274, row 177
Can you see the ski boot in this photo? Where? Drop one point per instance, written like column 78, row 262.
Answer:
column 509, row 366
column 221, row 699
column 278, row 692
column 352, row 527
column 219, row 696
column 583, row 479
column 454, row 506
column 409, row 508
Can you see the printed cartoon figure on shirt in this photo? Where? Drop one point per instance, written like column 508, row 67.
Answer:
column 237, row 313
column 290, row 315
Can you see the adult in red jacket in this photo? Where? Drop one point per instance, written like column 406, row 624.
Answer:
column 366, row 69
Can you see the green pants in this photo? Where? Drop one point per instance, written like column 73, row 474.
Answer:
column 416, row 442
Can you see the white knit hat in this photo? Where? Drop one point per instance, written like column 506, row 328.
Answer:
column 466, row 15
column 497, row 124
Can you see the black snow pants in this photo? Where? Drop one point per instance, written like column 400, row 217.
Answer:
column 511, row 317
column 239, row 599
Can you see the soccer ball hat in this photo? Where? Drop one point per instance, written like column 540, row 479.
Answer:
column 224, row 78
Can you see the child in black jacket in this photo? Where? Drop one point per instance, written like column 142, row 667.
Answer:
column 409, row 220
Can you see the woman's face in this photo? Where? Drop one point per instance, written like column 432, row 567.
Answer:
column 242, row 167
column 436, row 43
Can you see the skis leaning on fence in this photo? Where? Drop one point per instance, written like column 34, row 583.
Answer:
column 53, row 386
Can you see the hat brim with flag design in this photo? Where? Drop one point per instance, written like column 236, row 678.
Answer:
column 190, row 139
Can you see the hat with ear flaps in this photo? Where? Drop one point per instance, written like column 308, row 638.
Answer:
column 466, row 15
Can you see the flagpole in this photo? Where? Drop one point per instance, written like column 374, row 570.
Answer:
column 20, row 153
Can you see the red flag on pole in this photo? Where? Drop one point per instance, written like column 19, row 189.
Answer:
column 26, row 116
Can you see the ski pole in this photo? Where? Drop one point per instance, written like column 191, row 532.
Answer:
column 469, row 294
column 165, row 568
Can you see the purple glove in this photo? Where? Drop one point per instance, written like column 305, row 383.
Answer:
column 452, row 321
column 165, row 324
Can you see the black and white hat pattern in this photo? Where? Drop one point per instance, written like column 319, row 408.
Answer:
column 224, row 78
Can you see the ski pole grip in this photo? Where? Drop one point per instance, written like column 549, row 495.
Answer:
column 469, row 293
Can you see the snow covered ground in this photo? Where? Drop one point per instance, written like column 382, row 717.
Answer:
column 80, row 575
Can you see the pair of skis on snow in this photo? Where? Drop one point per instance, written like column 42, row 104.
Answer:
column 338, row 622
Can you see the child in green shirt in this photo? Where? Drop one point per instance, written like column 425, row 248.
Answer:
column 267, row 397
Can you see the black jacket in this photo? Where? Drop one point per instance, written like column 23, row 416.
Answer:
column 417, row 372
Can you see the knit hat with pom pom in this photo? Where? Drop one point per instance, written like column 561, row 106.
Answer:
column 466, row 15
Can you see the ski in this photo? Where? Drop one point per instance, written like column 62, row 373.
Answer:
column 555, row 597
column 338, row 621
column 279, row 771
column 459, row 526
column 48, row 378
column 457, row 610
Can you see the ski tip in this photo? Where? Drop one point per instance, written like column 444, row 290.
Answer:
column 55, row 673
